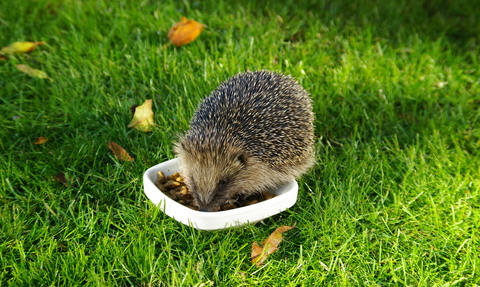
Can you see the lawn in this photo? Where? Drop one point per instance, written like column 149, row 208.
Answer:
column 393, row 200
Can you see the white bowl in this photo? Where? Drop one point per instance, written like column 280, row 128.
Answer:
column 286, row 197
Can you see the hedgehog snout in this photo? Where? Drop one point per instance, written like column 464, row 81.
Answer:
column 211, row 203
column 208, row 207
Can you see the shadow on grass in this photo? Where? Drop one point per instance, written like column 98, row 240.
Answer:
column 457, row 20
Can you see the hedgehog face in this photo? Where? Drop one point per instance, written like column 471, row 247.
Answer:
column 211, row 174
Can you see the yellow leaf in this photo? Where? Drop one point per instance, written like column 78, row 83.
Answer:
column 184, row 32
column 119, row 152
column 143, row 117
column 21, row 47
column 33, row 72
column 41, row 140
column 270, row 245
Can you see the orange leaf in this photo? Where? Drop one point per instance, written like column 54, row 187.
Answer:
column 33, row 72
column 21, row 47
column 41, row 140
column 270, row 245
column 143, row 117
column 184, row 32
column 119, row 152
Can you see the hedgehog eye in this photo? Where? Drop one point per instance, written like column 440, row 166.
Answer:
column 241, row 158
column 222, row 182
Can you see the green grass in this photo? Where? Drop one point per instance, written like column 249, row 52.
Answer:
column 394, row 198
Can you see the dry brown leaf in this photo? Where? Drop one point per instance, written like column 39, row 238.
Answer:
column 21, row 47
column 184, row 32
column 41, row 140
column 143, row 117
column 62, row 178
column 270, row 245
column 119, row 152
column 33, row 72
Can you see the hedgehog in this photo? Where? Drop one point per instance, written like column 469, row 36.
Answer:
column 252, row 134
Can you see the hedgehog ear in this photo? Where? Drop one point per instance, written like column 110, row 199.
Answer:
column 181, row 148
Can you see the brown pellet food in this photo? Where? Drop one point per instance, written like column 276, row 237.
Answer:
column 174, row 187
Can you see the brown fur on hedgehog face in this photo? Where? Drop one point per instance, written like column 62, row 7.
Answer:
column 211, row 174
column 221, row 173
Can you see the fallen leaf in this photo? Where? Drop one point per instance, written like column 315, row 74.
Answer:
column 33, row 72
column 270, row 245
column 143, row 117
column 440, row 85
column 133, row 108
column 61, row 178
column 21, row 47
column 41, row 140
column 184, row 32
column 119, row 152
